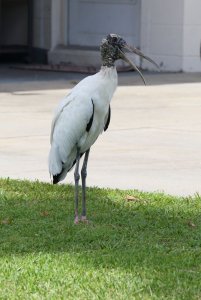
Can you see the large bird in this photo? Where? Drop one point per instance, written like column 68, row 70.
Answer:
column 84, row 114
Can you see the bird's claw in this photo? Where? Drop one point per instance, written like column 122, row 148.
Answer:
column 84, row 219
column 76, row 220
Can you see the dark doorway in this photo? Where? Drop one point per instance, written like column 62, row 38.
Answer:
column 16, row 30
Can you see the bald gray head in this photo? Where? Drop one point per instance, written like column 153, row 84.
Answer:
column 113, row 47
column 110, row 49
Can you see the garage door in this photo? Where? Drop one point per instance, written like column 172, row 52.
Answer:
column 89, row 21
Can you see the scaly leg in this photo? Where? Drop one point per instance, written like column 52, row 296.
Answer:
column 84, row 175
column 77, row 177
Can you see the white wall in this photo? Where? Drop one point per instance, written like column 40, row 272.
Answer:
column 89, row 21
column 161, row 32
column 171, row 34
column 192, row 36
column 59, row 20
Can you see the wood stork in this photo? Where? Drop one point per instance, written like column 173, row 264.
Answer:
column 84, row 114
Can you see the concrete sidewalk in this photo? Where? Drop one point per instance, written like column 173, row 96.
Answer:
column 153, row 142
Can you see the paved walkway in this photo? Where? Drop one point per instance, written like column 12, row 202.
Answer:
column 153, row 142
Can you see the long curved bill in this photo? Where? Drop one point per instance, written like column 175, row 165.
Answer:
column 126, row 59
column 138, row 52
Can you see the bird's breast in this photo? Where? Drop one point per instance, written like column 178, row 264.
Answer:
column 101, row 89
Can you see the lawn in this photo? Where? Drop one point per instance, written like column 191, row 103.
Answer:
column 137, row 245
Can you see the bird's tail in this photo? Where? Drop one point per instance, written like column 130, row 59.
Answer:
column 57, row 168
column 55, row 164
column 56, row 179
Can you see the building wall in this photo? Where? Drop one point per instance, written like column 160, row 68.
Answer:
column 192, row 36
column 13, row 22
column 162, row 33
column 59, row 21
column 42, row 24
column 171, row 34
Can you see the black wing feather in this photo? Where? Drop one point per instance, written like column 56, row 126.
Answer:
column 108, row 119
column 56, row 178
column 91, row 119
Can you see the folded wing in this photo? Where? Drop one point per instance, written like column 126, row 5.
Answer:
column 68, row 128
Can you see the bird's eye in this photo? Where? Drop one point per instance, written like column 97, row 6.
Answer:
column 114, row 39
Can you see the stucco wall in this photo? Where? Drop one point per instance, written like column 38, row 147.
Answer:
column 192, row 36
column 171, row 34
column 162, row 32
column 42, row 24
column 59, row 21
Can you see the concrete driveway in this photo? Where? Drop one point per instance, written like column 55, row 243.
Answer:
column 153, row 142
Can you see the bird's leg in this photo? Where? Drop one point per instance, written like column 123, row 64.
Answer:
column 84, row 175
column 77, row 177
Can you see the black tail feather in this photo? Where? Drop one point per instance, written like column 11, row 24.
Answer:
column 56, row 179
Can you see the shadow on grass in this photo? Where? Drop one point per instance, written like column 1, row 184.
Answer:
column 45, row 213
column 153, row 232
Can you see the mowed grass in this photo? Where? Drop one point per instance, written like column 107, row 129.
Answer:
column 145, row 246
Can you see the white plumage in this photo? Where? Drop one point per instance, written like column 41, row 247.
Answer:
column 68, row 132
column 84, row 114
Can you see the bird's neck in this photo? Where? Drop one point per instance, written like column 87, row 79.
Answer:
column 107, row 83
column 107, row 61
column 108, row 71
column 108, row 55
column 109, row 76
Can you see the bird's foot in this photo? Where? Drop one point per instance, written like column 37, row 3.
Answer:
column 84, row 219
column 76, row 220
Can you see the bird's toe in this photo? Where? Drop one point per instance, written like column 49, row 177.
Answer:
column 76, row 220
column 84, row 219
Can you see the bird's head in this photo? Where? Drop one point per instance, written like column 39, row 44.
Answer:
column 113, row 47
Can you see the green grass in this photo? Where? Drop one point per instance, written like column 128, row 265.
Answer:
column 147, row 248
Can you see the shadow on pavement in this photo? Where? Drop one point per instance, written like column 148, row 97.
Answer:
column 13, row 79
